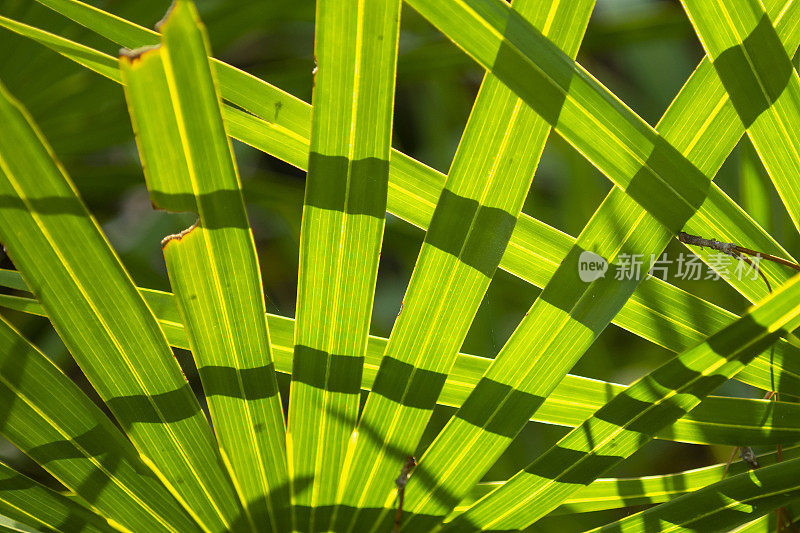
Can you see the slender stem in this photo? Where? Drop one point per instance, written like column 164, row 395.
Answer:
column 731, row 248
column 755, row 266
column 694, row 240
column 401, row 482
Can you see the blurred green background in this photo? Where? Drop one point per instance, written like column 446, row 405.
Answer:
column 643, row 50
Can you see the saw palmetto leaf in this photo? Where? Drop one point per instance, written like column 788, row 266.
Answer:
column 626, row 422
column 331, row 471
column 212, row 266
column 656, row 310
column 474, row 217
column 717, row 420
column 50, row 419
column 113, row 335
column 340, row 241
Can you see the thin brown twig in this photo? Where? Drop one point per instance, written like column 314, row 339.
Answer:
column 731, row 248
column 755, row 266
column 401, row 482
column 789, row 520
column 730, row 460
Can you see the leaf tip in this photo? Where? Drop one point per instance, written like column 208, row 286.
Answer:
column 178, row 236
column 174, row 9
column 132, row 56
column 165, row 18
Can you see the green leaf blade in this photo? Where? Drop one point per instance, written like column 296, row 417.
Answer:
column 468, row 233
column 342, row 231
column 103, row 320
column 763, row 86
column 213, row 265
column 50, row 419
column 624, row 424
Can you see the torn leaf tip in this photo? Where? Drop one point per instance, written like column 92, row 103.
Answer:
column 178, row 236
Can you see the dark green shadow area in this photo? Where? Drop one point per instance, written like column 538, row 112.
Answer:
column 12, row 371
column 553, row 464
column 94, row 443
column 332, row 372
column 729, row 340
column 476, row 234
column 281, row 510
column 756, row 72
column 77, row 518
column 648, row 418
column 578, row 298
column 630, row 491
column 395, row 378
column 244, row 383
column 367, row 519
column 565, row 288
column 400, row 456
column 499, row 408
column 488, row 239
column 47, row 205
column 214, row 201
column 637, row 415
column 140, row 408
column 216, row 206
column 355, row 187
column 519, row 75
column 672, row 203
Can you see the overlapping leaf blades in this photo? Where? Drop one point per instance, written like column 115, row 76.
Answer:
column 763, row 86
column 626, row 422
column 721, row 506
column 476, row 213
column 49, row 418
column 656, row 311
column 614, row 493
column 32, row 503
column 105, row 323
column 212, row 266
column 526, row 371
column 664, row 174
column 717, row 420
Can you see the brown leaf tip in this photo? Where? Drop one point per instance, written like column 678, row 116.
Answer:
column 165, row 18
column 136, row 54
column 178, row 236
column 405, row 473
